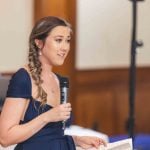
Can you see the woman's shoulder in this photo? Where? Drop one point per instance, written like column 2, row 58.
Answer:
column 21, row 74
column 21, row 71
column 20, row 84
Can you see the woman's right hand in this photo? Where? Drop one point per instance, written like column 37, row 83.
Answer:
column 59, row 113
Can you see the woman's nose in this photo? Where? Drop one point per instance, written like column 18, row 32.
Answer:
column 65, row 46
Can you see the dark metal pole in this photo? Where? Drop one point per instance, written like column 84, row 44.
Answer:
column 132, row 71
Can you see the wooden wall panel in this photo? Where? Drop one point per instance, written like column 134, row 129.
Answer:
column 102, row 100
column 94, row 109
column 142, row 108
column 52, row 8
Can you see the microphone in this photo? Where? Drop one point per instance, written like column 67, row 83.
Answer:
column 64, row 86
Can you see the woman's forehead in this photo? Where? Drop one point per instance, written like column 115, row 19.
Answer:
column 60, row 31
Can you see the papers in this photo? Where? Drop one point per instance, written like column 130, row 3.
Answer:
column 80, row 131
column 119, row 145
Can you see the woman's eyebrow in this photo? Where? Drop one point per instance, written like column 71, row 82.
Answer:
column 61, row 36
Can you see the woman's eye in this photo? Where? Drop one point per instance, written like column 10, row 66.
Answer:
column 58, row 40
column 68, row 41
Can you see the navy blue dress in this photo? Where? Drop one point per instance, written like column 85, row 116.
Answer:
column 51, row 136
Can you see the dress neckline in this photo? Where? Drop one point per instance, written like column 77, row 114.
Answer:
column 39, row 102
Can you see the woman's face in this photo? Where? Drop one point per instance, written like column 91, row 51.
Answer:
column 56, row 46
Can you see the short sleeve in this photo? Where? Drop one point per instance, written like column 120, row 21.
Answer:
column 20, row 85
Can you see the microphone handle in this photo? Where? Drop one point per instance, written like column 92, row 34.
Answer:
column 64, row 97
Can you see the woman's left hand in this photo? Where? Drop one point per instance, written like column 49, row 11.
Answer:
column 87, row 142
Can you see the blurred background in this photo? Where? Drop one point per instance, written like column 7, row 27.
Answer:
column 99, row 60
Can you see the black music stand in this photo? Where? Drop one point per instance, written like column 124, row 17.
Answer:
column 132, row 71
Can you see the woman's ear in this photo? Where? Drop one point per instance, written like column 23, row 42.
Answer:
column 39, row 43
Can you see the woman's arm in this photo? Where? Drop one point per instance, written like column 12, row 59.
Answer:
column 10, row 130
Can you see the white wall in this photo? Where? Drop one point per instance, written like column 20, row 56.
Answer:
column 104, row 33
column 15, row 24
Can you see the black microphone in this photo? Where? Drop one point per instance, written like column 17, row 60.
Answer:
column 64, row 86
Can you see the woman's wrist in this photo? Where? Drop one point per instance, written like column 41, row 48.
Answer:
column 76, row 139
column 44, row 117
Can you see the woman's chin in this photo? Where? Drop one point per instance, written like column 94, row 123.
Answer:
column 60, row 63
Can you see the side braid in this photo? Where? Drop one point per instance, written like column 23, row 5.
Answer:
column 35, row 70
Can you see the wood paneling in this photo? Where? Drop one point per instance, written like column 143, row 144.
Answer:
column 51, row 8
column 102, row 100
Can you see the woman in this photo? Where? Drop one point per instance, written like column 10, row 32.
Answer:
column 32, row 115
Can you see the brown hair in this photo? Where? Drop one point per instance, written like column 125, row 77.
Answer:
column 40, row 31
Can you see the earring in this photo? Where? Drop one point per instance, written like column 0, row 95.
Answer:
column 38, row 46
column 40, row 53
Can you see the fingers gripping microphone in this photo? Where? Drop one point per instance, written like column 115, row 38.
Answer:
column 64, row 86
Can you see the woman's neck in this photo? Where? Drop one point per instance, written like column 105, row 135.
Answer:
column 46, row 69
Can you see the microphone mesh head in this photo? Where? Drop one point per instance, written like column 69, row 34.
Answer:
column 64, row 82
